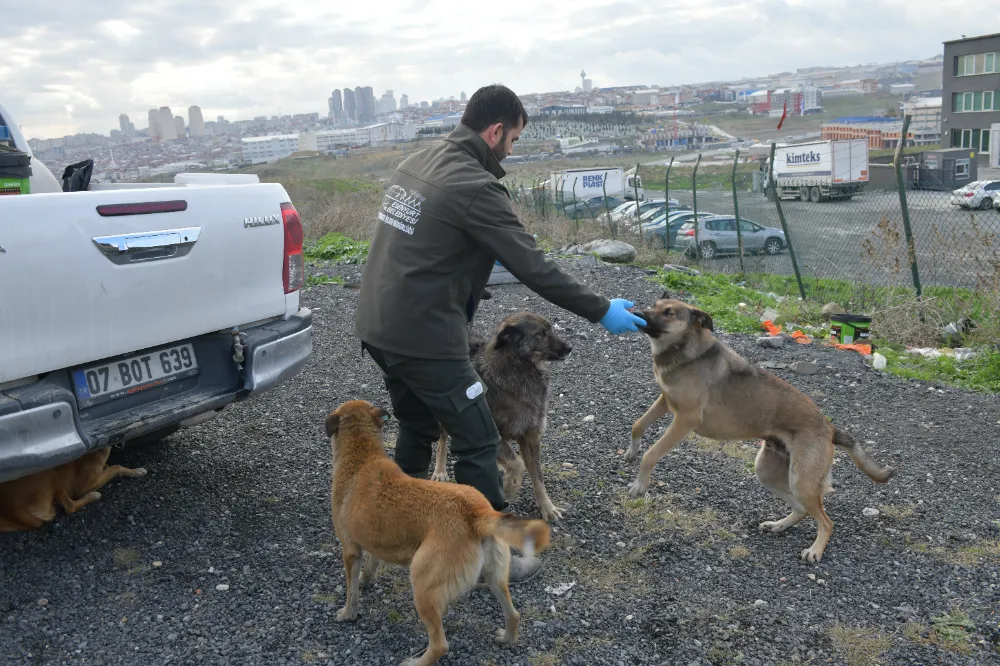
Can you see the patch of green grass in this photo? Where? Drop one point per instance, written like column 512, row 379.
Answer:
column 860, row 646
column 720, row 296
column 317, row 280
column 951, row 631
column 123, row 557
column 395, row 616
column 337, row 248
column 981, row 373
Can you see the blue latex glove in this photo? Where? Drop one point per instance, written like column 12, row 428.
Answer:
column 619, row 320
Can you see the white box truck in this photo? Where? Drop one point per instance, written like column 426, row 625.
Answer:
column 821, row 170
column 583, row 184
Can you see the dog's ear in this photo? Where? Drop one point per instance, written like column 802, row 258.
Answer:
column 332, row 423
column 702, row 319
column 380, row 416
column 510, row 334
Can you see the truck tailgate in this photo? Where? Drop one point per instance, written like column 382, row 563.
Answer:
column 850, row 161
column 69, row 295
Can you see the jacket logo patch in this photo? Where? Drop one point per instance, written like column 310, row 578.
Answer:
column 401, row 209
column 474, row 391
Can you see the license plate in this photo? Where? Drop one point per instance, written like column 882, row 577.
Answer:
column 110, row 381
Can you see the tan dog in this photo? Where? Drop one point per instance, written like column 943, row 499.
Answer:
column 445, row 533
column 29, row 502
column 714, row 392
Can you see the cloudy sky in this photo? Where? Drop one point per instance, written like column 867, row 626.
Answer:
column 69, row 67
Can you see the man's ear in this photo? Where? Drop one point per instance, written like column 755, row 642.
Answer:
column 332, row 423
column 380, row 416
column 510, row 334
column 703, row 319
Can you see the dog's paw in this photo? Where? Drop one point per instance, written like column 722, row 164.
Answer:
column 773, row 526
column 637, row 489
column 442, row 477
column 812, row 555
column 346, row 614
column 141, row 471
column 551, row 512
column 93, row 496
column 503, row 638
column 632, row 453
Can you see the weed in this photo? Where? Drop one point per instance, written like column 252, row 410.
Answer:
column 338, row 248
column 320, row 279
column 739, row 552
column 395, row 616
column 951, row 631
column 897, row 512
column 326, row 598
column 860, row 646
column 968, row 556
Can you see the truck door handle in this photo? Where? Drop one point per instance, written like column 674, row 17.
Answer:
column 148, row 246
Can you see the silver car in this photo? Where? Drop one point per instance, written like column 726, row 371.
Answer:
column 717, row 235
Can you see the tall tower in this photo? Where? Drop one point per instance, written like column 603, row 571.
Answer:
column 196, row 122
column 123, row 122
column 165, row 123
column 154, row 128
column 583, row 79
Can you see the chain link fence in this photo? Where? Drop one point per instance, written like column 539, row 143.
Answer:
column 931, row 254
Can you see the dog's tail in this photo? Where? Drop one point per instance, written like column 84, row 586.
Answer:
column 861, row 458
column 528, row 535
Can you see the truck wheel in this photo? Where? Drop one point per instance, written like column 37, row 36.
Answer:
column 708, row 250
column 803, row 194
column 772, row 246
column 814, row 195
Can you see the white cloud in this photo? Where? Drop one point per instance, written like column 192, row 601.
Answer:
column 73, row 67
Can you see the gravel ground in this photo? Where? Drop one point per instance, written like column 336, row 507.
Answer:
column 225, row 554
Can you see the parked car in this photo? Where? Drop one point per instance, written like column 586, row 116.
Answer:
column 591, row 208
column 717, row 235
column 648, row 207
column 659, row 224
column 129, row 312
column 977, row 194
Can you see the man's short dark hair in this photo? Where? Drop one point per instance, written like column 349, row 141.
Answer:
column 494, row 104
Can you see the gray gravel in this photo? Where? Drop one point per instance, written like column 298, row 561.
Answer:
column 141, row 576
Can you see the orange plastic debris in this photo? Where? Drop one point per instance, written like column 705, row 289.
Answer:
column 861, row 349
column 771, row 328
column 801, row 338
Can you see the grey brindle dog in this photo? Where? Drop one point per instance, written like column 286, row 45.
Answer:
column 514, row 366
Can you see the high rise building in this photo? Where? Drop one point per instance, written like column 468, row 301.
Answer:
column 166, row 125
column 424, row 105
column 365, row 99
column 154, row 131
column 388, row 103
column 123, row 123
column 350, row 105
column 336, row 105
column 404, row 101
column 463, row 97
column 588, row 85
column 179, row 126
column 196, row 122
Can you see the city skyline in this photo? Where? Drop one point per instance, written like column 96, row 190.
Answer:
column 236, row 59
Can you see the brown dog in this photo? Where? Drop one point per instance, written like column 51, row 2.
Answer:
column 714, row 392
column 29, row 502
column 514, row 366
column 447, row 534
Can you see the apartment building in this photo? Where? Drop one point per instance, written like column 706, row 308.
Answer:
column 971, row 92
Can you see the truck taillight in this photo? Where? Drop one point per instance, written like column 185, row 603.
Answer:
column 294, row 267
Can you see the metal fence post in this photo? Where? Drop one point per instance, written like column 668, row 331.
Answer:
column 635, row 189
column 666, row 197
column 911, row 249
column 736, row 209
column 784, row 225
column 694, row 198
column 604, row 188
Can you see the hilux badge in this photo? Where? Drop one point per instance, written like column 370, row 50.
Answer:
column 261, row 221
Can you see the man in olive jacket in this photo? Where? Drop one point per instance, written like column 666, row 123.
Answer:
column 445, row 218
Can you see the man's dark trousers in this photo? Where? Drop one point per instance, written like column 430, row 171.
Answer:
column 429, row 393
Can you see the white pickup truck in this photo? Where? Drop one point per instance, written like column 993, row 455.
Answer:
column 128, row 312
